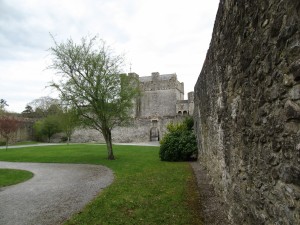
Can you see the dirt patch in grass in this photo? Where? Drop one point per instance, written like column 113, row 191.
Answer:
column 193, row 201
column 213, row 211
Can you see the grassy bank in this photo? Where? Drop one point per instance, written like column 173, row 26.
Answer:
column 145, row 190
column 12, row 176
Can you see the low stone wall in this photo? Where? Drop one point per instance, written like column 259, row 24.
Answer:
column 138, row 131
column 247, row 110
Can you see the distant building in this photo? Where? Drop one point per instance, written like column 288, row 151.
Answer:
column 161, row 102
column 162, row 96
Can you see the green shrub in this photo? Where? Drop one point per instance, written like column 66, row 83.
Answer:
column 179, row 144
column 2, row 143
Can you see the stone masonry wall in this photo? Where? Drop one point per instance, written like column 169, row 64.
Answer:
column 138, row 131
column 24, row 132
column 159, row 95
column 160, row 102
column 247, row 110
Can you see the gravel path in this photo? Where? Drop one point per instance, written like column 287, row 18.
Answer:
column 31, row 145
column 54, row 193
column 151, row 143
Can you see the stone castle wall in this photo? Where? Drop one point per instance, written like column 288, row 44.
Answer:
column 191, row 102
column 185, row 107
column 138, row 131
column 156, row 103
column 159, row 94
column 161, row 82
column 247, row 110
column 24, row 132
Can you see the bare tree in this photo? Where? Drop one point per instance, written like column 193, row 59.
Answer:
column 91, row 81
column 42, row 107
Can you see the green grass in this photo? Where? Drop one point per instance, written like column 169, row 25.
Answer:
column 145, row 190
column 12, row 176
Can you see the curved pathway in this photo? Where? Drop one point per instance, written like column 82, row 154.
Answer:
column 54, row 193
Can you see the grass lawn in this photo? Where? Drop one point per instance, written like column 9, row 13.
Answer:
column 145, row 190
column 12, row 176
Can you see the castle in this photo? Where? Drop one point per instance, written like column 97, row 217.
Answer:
column 162, row 96
column 161, row 102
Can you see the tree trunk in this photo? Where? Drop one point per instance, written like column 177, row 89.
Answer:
column 107, row 137
column 6, row 143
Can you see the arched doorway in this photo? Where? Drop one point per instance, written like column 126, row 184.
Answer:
column 154, row 134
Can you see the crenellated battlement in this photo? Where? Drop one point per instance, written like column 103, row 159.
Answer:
column 157, row 82
column 159, row 96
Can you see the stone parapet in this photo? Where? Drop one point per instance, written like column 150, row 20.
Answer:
column 161, row 82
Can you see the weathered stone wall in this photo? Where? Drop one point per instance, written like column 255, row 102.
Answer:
column 247, row 110
column 182, row 107
column 159, row 94
column 24, row 132
column 191, row 102
column 160, row 102
column 138, row 131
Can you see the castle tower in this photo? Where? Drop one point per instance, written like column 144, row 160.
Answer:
column 159, row 95
column 191, row 102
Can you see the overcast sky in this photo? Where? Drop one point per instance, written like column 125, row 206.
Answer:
column 165, row 36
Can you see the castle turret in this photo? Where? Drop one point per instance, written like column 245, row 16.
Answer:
column 191, row 102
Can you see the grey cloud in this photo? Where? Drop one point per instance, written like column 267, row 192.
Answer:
column 17, row 35
column 25, row 33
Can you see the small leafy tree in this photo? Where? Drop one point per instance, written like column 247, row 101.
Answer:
column 8, row 126
column 37, row 127
column 47, row 127
column 91, row 80
column 69, row 120
column 179, row 144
